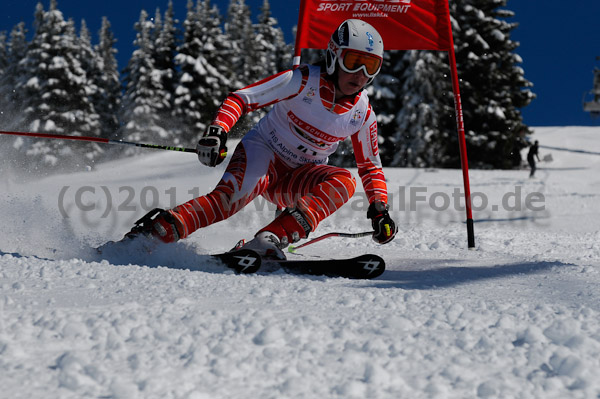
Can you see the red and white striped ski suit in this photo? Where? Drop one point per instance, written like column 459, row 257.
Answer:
column 284, row 157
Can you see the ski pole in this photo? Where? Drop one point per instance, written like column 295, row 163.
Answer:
column 99, row 140
column 293, row 249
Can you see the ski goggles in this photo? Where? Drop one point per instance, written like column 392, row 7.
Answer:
column 353, row 61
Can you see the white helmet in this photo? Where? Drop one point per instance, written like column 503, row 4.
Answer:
column 355, row 45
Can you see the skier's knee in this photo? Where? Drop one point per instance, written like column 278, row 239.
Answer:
column 339, row 188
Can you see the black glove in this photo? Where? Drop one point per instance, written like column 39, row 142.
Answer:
column 384, row 226
column 211, row 147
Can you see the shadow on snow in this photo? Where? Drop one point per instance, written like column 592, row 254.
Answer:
column 427, row 275
column 450, row 276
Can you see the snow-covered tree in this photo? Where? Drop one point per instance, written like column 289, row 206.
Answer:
column 218, row 51
column 145, row 98
column 3, row 52
column 424, row 98
column 493, row 87
column 165, row 47
column 4, row 64
column 239, row 31
column 270, row 49
column 109, row 82
column 266, row 51
column 258, row 50
column 10, row 101
column 92, row 65
column 53, row 89
column 240, row 34
column 203, row 59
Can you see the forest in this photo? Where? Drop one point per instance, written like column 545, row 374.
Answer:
column 55, row 78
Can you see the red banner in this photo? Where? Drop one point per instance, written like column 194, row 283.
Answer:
column 403, row 24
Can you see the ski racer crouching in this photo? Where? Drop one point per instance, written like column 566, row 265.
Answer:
column 284, row 157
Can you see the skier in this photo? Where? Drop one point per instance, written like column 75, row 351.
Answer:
column 533, row 152
column 284, row 157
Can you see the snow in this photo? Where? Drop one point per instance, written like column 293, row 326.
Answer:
column 518, row 317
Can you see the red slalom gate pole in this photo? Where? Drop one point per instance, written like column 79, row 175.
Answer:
column 98, row 140
column 462, row 142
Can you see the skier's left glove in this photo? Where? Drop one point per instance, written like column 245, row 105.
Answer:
column 211, row 147
column 384, row 226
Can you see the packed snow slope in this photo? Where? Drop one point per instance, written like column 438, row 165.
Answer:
column 518, row 317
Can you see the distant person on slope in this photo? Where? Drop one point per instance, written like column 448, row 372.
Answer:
column 284, row 157
column 533, row 152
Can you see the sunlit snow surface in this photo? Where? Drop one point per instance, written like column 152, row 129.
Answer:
column 518, row 317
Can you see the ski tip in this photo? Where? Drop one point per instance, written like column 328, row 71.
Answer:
column 292, row 249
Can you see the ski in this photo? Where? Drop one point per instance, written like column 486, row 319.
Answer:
column 361, row 267
column 245, row 261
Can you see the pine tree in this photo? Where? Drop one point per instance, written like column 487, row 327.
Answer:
column 218, row 52
column 165, row 46
column 424, row 98
column 53, row 89
column 240, row 34
column 203, row 81
column 4, row 66
column 187, row 108
column 3, row 53
column 267, row 52
column 4, row 63
column 91, row 64
column 10, row 101
column 270, row 47
column 493, row 87
column 145, row 98
column 109, row 84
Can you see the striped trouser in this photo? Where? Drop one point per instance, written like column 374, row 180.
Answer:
column 315, row 190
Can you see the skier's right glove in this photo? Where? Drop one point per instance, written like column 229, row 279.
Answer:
column 211, row 147
column 384, row 226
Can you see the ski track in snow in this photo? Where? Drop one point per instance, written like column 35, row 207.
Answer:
column 518, row 317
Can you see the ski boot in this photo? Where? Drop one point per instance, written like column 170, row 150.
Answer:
column 289, row 227
column 147, row 233
column 265, row 243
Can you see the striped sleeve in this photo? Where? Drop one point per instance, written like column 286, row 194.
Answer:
column 366, row 152
column 269, row 91
column 229, row 112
